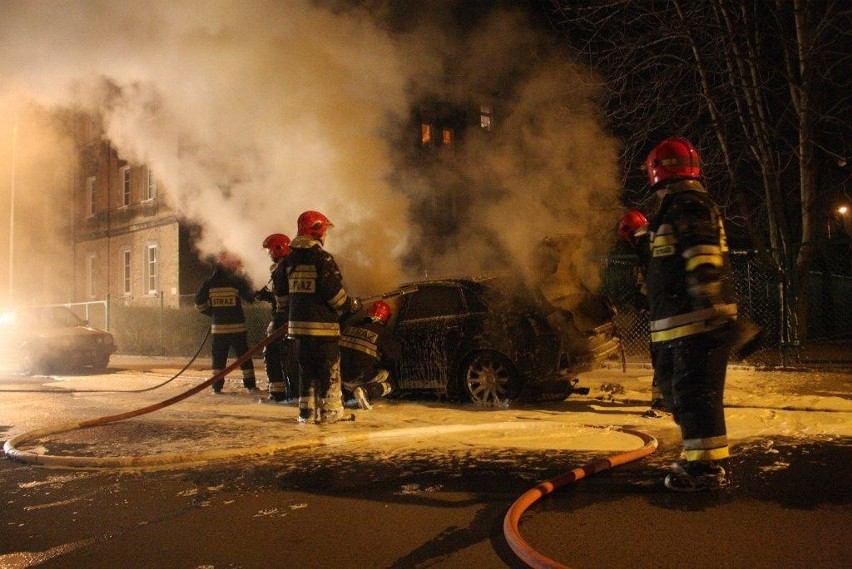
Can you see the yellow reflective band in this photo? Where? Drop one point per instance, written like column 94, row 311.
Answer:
column 228, row 328
column 223, row 292
column 708, row 454
column 695, row 262
column 702, row 250
column 712, row 313
column 359, row 345
column 339, row 299
column 313, row 329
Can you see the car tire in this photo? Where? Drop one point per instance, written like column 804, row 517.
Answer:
column 100, row 363
column 31, row 362
column 489, row 379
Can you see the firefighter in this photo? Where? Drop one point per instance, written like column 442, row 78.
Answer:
column 277, row 354
column 318, row 302
column 692, row 310
column 221, row 297
column 633, row 229
column 368, row 356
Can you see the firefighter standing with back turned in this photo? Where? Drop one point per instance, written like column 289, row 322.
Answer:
column 276, row 355
column 368, row 356
column 318, row 302
column 692, row 311
column 221, row 297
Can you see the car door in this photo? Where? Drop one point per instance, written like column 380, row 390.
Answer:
column 429, row 330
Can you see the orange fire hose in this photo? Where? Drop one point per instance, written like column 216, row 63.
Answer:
column 14, row 453
column 510, row 523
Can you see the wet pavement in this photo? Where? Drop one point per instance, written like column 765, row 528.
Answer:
column 431, row 502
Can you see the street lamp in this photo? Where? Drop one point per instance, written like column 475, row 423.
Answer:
column 12, row 213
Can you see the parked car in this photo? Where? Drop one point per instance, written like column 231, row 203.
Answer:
column 492, row 340
column 47, row 339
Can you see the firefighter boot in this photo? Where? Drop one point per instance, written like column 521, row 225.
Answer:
column 696, row 476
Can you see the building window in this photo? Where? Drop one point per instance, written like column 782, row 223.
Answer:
column 151, row 186
column 447, row 136
column 127, row 271
column 125, row 186
column 152, row 260
column 485, row 117
column 91, row 275
column 91, row 209
column 425, row 134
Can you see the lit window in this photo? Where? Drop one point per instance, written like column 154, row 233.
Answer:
column 91, row 275
column 485, row 117
column 447, row 136
column 152, row 259
column 91, row 209
column 126, row 264
column 425, row 134
column 125, row 186
column 151, row 187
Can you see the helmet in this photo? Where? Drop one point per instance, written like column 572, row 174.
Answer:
column 380, row 311
column 673, row 158
column 631, row 225
column 313, row 223
column 278, row 245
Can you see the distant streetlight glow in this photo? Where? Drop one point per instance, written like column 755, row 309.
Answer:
column 842, row 210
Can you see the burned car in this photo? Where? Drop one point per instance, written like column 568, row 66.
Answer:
column 46, row 339
column 492, row 340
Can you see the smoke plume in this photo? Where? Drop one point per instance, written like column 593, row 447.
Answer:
column 252, row 112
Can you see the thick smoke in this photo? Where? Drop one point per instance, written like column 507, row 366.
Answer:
column 251, row 112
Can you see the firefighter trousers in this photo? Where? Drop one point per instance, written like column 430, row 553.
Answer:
column 319, row 376
column 690, row 373
column 222, row 344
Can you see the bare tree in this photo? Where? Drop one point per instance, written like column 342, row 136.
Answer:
column 761, row 88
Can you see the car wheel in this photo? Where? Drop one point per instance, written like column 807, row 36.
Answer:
column 490, row 379
column 100, row 363
column 31, row 362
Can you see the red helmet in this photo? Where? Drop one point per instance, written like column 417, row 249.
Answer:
column 313, row 223
column 673, row 158
column 631, row 225
column 380, row 310
column 278, row 245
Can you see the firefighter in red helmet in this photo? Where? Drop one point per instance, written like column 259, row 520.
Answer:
column 369, row 356
column 221, row 297
column 318, row 302
column 691, row 309
column 277, row 356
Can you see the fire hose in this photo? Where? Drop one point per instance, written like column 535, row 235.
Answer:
column 513, row 516
column 159, row 385
column 14, row 453
column 510, row 523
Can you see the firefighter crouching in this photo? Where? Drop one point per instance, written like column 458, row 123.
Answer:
column 221, row 297
column 278, row 357
column 318, row 302
column 368, row 356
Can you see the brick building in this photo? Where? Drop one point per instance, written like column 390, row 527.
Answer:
column 129, row 245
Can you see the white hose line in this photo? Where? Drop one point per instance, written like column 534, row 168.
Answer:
column 199, row 458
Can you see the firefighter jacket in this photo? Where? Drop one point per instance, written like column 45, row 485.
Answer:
column 366, row 345
column 276, row 293
column 689, row 282
column 221, row 297
column 317, row 297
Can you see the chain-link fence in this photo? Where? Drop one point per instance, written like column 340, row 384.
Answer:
column 764, row 296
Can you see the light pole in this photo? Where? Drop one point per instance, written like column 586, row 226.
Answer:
column 12, row 215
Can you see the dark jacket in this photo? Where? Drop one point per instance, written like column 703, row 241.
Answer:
column 366, row 345
column 318, row 299
column 221, row 297
column 689, row 282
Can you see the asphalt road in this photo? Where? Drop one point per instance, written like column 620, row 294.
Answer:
column 394, row 505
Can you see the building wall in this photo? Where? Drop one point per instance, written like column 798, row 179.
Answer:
column 119, row 223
